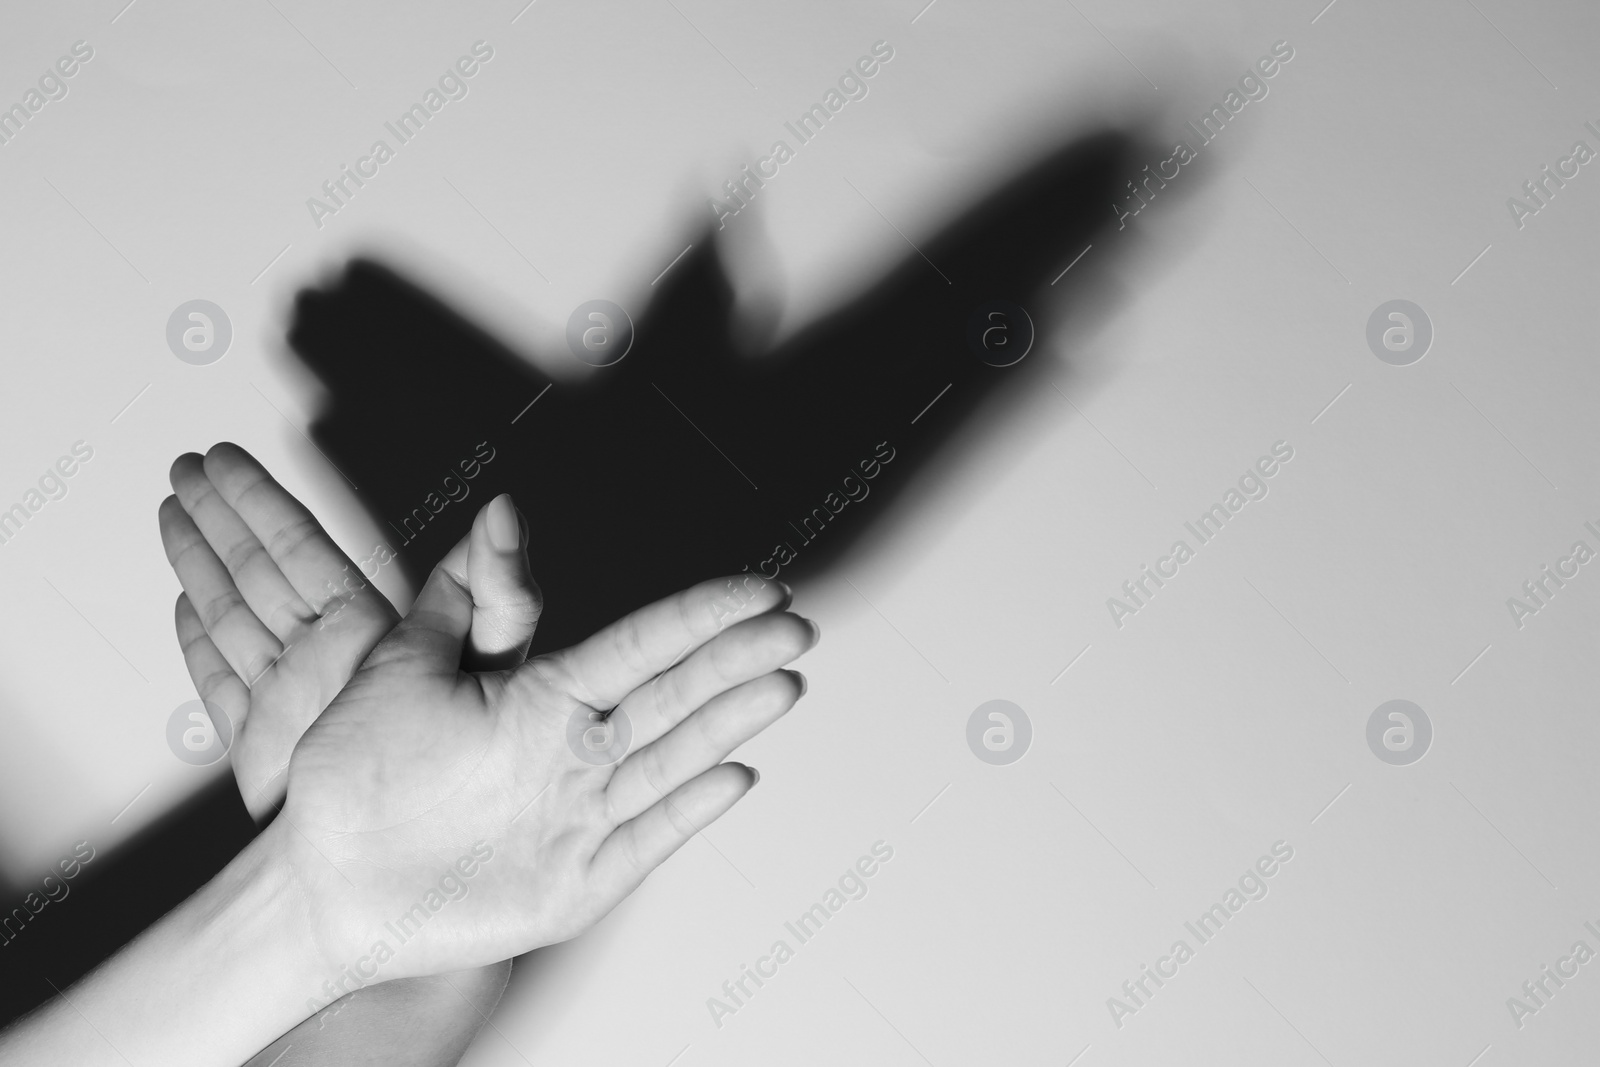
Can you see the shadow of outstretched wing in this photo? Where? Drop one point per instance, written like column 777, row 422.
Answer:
column 689, row 458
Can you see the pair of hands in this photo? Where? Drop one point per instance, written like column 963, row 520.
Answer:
column 391, row 746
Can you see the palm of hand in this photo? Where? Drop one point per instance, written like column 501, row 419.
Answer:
column 403, row 776
column 274, row 619
column 286, row 699
column 438, row 811
column 416, row 766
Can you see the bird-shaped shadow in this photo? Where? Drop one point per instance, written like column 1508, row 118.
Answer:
column 693, row 456
column 703, row 452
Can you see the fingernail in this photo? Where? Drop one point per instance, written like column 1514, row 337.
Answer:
column 755, row 776
column 504, row 533
column 804, row 684
column 816, row 631
column 788, row 591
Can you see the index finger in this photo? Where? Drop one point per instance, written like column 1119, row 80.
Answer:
column 606, row 667
column 293, row 538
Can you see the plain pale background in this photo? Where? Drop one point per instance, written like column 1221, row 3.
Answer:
column 1224, row 717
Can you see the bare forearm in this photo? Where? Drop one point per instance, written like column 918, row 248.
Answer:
column 409, row 1022
column 213, row 981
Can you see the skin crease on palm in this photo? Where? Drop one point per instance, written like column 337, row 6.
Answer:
column 397, row 761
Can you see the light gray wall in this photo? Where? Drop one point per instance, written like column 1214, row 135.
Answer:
column 1229, row 713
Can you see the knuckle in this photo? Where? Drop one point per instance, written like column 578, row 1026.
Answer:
column 654, row 774
column 249, row 483
column 723, row 655
column 697, row 612
column 516, row 604
column 187, row 641
column 672, row 692
column 182, row 547
column 243, row 554
column 680, row 822
column 257, row 667
column 630, row 645
column 291, row 538
column 630, row 855
column 713, row 732
column 213, row 682
column 220, row 607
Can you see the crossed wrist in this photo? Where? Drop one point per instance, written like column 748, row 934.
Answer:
column 291, row 882
column 259, row 917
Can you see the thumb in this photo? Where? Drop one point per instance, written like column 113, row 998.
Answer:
column 432, row 632
column 506, row 601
